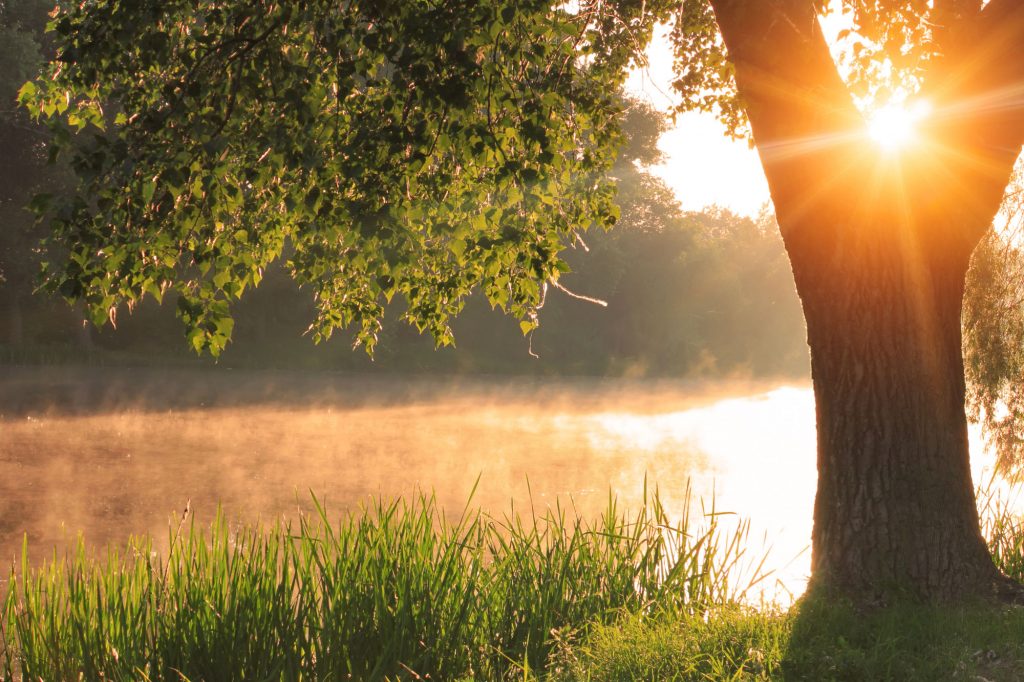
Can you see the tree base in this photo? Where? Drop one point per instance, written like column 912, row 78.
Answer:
column 1006, row 590
column 996, row 589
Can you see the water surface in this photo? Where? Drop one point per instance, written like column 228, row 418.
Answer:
column 112, row 453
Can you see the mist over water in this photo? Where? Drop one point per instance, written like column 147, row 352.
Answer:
column 112, row 453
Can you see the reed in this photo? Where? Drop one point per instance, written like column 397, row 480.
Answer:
column 396, row 590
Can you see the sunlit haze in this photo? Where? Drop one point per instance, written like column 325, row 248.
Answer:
column 372, row 409
column 355, row 437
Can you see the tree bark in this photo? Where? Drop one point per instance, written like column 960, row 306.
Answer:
column 895, row 510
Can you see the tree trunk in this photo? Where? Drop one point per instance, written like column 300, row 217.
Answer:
column 880, row 246
column 895, row 508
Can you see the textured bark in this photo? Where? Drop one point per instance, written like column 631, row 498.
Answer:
column 880, row 250
column 895, row 510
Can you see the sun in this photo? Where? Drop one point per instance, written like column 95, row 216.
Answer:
column 894, row 126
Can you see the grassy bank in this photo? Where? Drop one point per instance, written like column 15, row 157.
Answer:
column 400, row 591
column 813, row 642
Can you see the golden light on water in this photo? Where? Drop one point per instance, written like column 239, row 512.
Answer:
column 756, row 461
column 747, row 450
column 894, row 126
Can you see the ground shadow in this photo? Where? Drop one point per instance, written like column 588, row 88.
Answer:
column 833, row 640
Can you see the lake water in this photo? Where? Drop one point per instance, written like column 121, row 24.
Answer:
column 113, row 453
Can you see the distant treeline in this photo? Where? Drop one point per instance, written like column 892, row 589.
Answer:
column 688, row 293
column 710, row 294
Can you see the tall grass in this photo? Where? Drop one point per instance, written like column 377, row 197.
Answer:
column 396, row 591
column 1002, row 526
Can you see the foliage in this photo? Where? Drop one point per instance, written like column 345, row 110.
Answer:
column 398, row 148
column 704, row 76
column 396, row 589
column 21, row 56
column 994, row 331
column 688, row 293
column 707, row 294
column 435, row 149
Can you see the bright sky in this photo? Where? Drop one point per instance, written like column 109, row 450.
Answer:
column 702, row 166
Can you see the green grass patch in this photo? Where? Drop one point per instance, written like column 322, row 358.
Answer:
column 814, row 642
column 727, row 643
column 398, row 591
column 905, row 642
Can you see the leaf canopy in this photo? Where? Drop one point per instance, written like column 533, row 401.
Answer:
column 404, row 148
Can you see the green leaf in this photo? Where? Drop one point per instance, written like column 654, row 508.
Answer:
column 26, row 92
column 458, row 247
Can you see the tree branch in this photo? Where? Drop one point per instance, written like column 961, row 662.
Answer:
column 800, row 111
column 1001, row 38
column 985, row 62
column 1000, row 8
column 947, row 19
column 977, row 91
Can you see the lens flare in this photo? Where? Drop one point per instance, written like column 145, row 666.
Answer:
column 894, row 126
